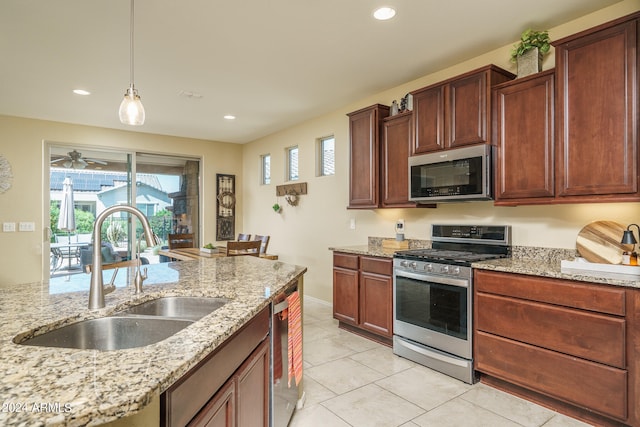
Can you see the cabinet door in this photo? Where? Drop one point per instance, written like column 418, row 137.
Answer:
column 220, row 411
column 525, row 139
column 467, row 108
column 396, row 144
column 364, row 147
column 376, row 303
column 252, row 387
column 429, row 119
column 345, row 295
column 597, row 113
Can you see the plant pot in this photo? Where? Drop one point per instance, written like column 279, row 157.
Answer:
column 529, row 62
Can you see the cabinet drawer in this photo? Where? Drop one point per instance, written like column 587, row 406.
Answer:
column 376, row 265
column 345, row 260
column 578, row 333
column 601, row 388
column 603, row 299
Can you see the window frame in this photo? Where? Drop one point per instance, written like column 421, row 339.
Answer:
column 320, row 156
column 288, row 163
column 265, row 179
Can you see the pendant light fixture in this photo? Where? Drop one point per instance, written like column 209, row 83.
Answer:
column 131, row 109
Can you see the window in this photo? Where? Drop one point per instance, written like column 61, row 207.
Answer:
column 265, row 168
column 326, row 156
column 292, row 164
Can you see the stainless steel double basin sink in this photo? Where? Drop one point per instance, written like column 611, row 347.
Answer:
column 137, row 326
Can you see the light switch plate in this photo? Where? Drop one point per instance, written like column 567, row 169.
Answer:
column 8, row 227
column 26, row 226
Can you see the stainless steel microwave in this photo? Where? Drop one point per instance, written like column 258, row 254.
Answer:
column 459, row 174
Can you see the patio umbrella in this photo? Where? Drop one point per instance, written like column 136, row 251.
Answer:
column 67, row 218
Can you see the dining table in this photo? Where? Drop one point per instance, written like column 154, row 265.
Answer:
column 187, row 254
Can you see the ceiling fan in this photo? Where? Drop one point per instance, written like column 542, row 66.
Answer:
column 74, row 160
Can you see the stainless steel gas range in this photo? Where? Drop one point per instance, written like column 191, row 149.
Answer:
column 433, row 295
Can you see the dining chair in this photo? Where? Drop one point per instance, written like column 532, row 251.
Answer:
column 181, row 241
column 244, row 237
column 251, row 248
column 265, row 242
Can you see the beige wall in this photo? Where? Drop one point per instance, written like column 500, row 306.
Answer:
column 302, row 234
column 22, row 143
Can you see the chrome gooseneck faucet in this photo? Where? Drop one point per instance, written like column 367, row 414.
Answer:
column 96, row 291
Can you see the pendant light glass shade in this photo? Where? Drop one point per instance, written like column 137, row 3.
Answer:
column 131, row 109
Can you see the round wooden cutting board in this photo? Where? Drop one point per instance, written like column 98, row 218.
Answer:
column 599, row 242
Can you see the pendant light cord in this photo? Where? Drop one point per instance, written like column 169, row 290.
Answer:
column 131, row 44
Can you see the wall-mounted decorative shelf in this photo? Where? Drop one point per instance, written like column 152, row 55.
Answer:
column 298, row 189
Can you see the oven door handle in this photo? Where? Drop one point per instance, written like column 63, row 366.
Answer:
column 433, row 279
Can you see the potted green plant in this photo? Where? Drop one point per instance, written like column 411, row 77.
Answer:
column 276, row 208
column 528, row 53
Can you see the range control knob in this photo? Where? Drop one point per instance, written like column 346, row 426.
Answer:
column 456, row 271
column 445, row 269
column 414, row 265
column 404, row 263
column 428, row 267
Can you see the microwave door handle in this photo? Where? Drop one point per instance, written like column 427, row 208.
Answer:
column 433, row 279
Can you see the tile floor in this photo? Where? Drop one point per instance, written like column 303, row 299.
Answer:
column 352, row 381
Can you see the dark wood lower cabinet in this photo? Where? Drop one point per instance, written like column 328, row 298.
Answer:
column 220, row 411
column 230, row 387
column 363, row 295
column 244, row 399
column 571, row 346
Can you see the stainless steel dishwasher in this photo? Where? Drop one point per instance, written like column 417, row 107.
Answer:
column 284, row 398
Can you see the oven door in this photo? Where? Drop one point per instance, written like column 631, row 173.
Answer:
column 434, row 311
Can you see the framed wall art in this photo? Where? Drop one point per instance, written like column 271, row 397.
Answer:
column 225, row 206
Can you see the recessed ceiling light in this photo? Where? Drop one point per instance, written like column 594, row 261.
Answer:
column 229, row 117
column 384, row 13
column 81, row 92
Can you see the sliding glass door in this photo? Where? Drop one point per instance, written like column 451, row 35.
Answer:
column 84, row 181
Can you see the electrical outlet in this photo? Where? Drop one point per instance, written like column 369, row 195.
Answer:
column 352, row 223
column 27, row 226
column 8, row 227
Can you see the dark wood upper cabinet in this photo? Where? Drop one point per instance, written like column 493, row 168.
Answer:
column 428, row 113
column 524, row 135
column 455, row 112
column 396, row 145
column 365, row 128
column 597, row 114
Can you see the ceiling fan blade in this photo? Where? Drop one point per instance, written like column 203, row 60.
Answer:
column 57, row 160
column 100, row 162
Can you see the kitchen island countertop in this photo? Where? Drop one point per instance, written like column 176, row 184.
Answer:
column 59, row 386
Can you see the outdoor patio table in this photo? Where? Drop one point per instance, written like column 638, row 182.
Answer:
column 59, row 249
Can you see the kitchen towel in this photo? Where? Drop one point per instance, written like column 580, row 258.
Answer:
column 294, row 338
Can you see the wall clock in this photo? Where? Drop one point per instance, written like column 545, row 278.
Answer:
column 5, row 175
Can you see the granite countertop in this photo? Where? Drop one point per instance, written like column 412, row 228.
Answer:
column 533, row 261
column 370, row 250
column 548, row 268
column 91, row 387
